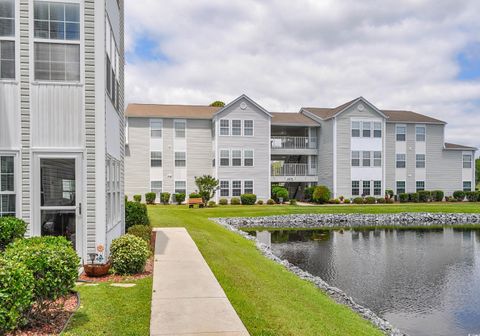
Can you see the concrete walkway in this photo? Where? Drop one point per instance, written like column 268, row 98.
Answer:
column 187, row 298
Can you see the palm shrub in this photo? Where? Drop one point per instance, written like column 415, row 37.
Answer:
column 179, row 198
column 248, row 199
column 321, row 194
column 16, row 294
column 459, row 195
column 150, row 197
column 165, row 198
column 135, row 214
column 438, row 195
column 129, row 254
column 137, row 198
column 11, row 228
column 53, row 262
column 141, row 231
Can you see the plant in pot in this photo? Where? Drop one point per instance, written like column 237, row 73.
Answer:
column 95, row 270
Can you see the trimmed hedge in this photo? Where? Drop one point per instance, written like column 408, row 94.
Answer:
column 473, row 196
column 235, row 201
column 141, row 231
column 194, row 195
column 459, row 195
column 293, row 201
column 165, row 198
column 347, row 201
column 135, row 214
column 358, row 200
column 370, row 200
column 53, row 262
column 129, row 254
column 403, row 198
column 179, row 198
column 11, row 228
column 308, row 193
column 321, row 195
column 424, row 196
column 438, row 195
column 279, row 192
column 248, row 199
column 270, row 202
column 381, row 200
column 212, row 204
column 413, row 197
column 259, row 202
column 223, row 201
column 137, row 198
column 150, row 197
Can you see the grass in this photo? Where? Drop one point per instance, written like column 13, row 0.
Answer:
column 107, row 310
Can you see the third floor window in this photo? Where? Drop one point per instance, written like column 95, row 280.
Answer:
column 7, row 39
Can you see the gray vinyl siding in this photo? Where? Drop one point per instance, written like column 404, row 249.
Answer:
column 199, row 151
column 325, row 154
column 411, row 159
column 168, row 156
column 9, row 116
column 390, row 159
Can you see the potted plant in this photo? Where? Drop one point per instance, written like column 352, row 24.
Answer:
column 95, row 270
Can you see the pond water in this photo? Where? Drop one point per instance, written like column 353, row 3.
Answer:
column 425, row 282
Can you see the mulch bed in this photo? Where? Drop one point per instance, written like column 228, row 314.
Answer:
column 121, row 278
column 56, row 317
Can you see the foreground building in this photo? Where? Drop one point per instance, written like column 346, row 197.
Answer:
column 61, row 118
column 355, row 149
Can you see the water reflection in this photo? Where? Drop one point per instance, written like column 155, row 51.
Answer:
column 426, row 282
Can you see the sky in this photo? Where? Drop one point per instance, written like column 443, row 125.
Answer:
column 419, row 55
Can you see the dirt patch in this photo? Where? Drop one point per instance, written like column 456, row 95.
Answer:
column 121, row 278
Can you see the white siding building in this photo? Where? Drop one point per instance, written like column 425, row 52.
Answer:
column 61, row 118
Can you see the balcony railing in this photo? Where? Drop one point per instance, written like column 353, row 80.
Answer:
column 293, row 169
column 293, row 142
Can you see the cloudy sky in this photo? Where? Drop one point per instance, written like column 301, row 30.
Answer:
column 421, row 55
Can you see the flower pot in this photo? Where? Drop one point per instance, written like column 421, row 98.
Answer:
column 96, row 270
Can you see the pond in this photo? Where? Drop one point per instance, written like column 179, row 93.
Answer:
column 425, row 282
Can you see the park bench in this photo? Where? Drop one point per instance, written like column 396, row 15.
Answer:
column 193, row 201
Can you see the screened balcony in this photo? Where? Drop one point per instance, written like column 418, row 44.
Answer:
column 293, row 142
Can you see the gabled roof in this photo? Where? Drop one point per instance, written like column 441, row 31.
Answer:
column 326, row 113
column 171, row 111
column 291, row 119
column 452, row 146
column 243, row 96
column 410, row 117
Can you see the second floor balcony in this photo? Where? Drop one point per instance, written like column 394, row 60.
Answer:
column 293, row 143
column 301, row 172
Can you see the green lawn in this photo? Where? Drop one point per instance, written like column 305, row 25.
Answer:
column 107, row 310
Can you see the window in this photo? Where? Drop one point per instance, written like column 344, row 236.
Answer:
column 366, row 129
column 355, row 129
column 236, row 188
column 224, row 158
column 420, row 158
column 180, row 187
column 420, row 185
column 224, row 188
column 400, row 187
column 377, row 129
column 179, row 128
column 180, row 159
column 366, row 159
column 7, row 18
column 156, row 187
column 155, row 159
column 113, row 198
column 7, row 186
column 248, row 127
column 377, row 188
column 59, row 58
column 420, row 132
column 112, row 64
column 467, row 186
column 401, row 163
column 377, row 159
column 7, row 59
column 248, row 158
column 224, row 127
column 355, row 159
column 236, row 158
column 467, row 161
column 156, row 129
column 366, row 188
column 355, row 188
column 236, row 127
column 401, row 132
column 248, row 187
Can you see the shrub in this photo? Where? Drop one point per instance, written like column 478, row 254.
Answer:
column 126, row 198
column 129, row 254
column 293, row 201
column 16, row 294
column 358, row 200
column 346, row 201
column 179, row 198
column 413, row 197
column 389, row 201
column 194, row 195
column 223, row 201
column 389, row 193
column 11, row 228
column 207, row 187
column 424, row 196
column 135, row 214
column 381, row 200
column 235, row 201
column 370, row 200
column 259, row 202
column 150, row 197
column 403, row 198
column 459, row 195
column 137, row 198
column 270, row 202
column 165, row 198
column 321, row 195
column 53, row 262
column 141, row 231
column 281, row 194
column 248, row 199
column 308, row 193
column 472, row 196
column 212, row 204
column 438, row 195
column 336, row 201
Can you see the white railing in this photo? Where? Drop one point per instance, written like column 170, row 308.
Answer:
column 293, row 142
column 292, row 169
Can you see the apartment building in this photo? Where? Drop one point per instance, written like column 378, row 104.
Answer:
column 355, row 149
column 61, row 119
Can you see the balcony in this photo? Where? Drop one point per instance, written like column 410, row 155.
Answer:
column 293, row 172
column 294, row 145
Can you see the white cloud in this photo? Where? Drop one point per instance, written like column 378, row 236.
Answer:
column 288, row 54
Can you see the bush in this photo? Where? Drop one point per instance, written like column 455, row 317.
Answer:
column 389, row 193
column 346, row 201
column 270, row 202
column 308, row 193
column 248, row 199
column 179, row 198
column 165, row 198
column 389, row 201
column 259, row 202
column 279, row 192
column 53, row 262
column 438, row 195
column 135, row 214
column 358, row 200
column 11, row 228
column 321, row 195
column 212, row 204
column 424, row 196
column 223, row 201
column 235, row 201
column 370, row 200
column 472, row 196
column 293, row 201
column 150, row 197
column 141, row 231
column 194, row 195
column 459, row 195
column 413, row 197
column 129, row 254
column 16, row 294
column 403, row 197
column 381, row 200
column 137, row 198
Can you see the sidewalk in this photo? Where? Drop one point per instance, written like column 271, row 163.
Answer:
column 187, row 298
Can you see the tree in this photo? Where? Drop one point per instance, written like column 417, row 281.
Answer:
column 477, row 164
column 207, row 186
column 218, row 103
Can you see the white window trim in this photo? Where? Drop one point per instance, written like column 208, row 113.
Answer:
column 396, row 161
column 16, row 180
column 244, row 157
column 175, row 186
column 175, row 159
column 151, row 157
column 159, row 121
column 425, row 134
column 243, row 128
column 404, row 187
column 230, row 127
column 229, row 157
column 179, row 121
column 472, row 164
column 397, row 133
column 424, row 161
